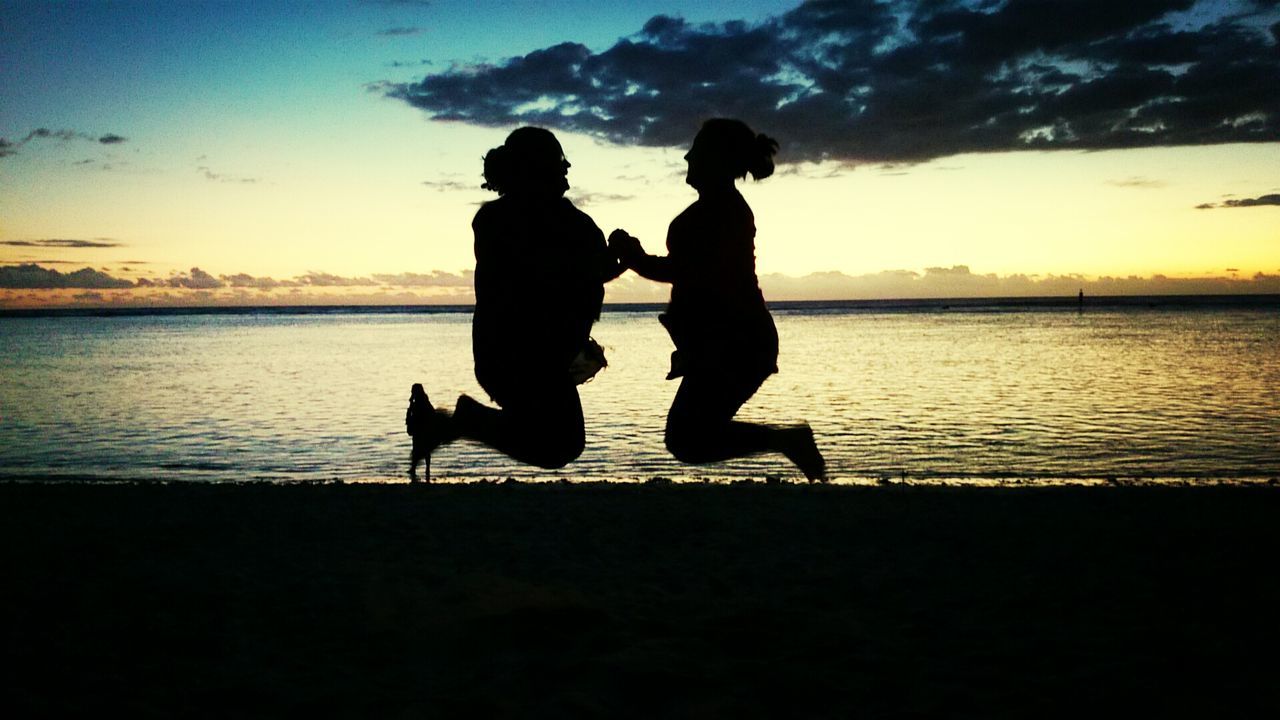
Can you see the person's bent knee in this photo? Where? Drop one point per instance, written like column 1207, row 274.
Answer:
column 554, row 450
column 556, row 456
column 686, row 443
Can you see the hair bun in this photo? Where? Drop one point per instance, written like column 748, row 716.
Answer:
column 761, row 165
column 497, row 169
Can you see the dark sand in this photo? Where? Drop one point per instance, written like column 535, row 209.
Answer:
column 639, row 601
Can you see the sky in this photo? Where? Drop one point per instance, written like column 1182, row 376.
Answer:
column 237, row 153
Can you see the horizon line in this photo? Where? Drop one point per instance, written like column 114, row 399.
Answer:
column 1167, row 300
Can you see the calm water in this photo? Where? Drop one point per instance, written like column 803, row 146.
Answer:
column 919, row 391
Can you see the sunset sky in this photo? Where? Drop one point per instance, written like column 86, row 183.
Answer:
column 329, row 152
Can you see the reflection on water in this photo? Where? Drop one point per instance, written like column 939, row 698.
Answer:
column 1035, row 394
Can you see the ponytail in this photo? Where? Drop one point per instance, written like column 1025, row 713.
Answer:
column 761, row 164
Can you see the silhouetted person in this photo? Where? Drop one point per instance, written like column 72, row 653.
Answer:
column 427, row 428
column 541, row 265
column 726, row 342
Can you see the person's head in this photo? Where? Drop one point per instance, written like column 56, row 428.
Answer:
column 725, row 150
column 530, row 162
column 416, row 391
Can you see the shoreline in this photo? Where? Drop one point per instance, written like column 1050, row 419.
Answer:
column 639, row 600
column 903, row 481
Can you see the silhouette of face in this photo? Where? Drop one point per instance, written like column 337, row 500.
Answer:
column 551, row 172
column 706, row 168
column 550, row 169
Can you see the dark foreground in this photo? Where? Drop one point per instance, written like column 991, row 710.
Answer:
column 639, row 601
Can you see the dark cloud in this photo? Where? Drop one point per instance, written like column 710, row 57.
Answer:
column 33, row 276
column 898, row 81
column 401, row 31
column 1273, row 199
column 9, row 147
column 58, row 243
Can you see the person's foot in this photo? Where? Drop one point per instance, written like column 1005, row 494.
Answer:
column 413, row 475
column 801, row 449
column 465, row 413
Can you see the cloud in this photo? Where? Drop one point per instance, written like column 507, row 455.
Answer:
column 451, row 185
column 401, row 31
column 196, row 279
column 9, row 147
column 1272, row 199
column 223, row 178
column 899, row 81
column 99, row 243
column 1138, row 182
column 960, row 282
column 436, row 278
column 584, row 199
column 243, row 280
column 31, row 276
column 319, row 279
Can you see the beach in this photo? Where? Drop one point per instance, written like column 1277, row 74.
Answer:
column 638, row 600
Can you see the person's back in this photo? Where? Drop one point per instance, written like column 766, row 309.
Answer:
column 538, row 288
column 541, row 265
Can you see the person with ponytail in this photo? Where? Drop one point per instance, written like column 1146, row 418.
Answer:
column 725, row 339
column 541, row 266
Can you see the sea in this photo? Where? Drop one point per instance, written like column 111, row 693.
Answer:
column 1179, row 390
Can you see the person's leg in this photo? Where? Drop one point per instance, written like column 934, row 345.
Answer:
column 700, row 426
column 541, row 426
column 701, row 429
column 414, row 456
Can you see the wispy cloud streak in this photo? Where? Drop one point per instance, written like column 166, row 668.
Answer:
column 10, row 147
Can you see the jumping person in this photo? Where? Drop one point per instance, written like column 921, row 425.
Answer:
column 541, row 266
column 725, row 339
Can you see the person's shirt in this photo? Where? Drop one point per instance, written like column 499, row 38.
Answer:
column 717, row 314
column 540, row 271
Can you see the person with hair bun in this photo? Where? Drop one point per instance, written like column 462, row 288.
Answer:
column 541, row 265
column 726, row 342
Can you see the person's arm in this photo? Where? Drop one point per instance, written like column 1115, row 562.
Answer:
column 658, row 268
column 607, row 263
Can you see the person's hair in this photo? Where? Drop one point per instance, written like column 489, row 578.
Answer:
column 737, row 148
column 524, row 159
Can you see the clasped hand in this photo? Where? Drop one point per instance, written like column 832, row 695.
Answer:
column 624, row 247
